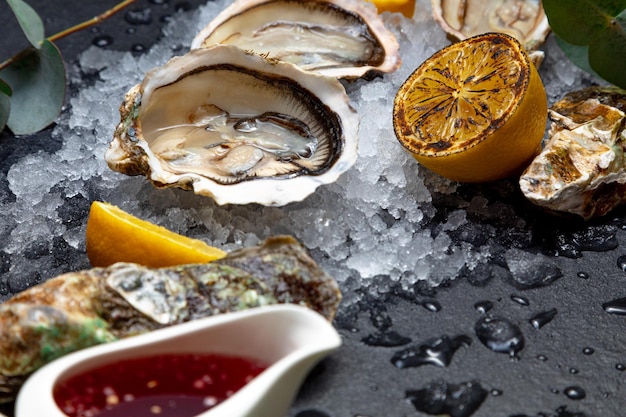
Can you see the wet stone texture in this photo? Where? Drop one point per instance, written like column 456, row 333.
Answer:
column 426, row 267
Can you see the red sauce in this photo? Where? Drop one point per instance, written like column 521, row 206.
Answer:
column 164, row 386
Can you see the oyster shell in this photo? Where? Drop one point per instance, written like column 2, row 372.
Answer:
column 525, row 20
column 237, row 127
column 582, row 169
column 81, row 309
column 340, row 38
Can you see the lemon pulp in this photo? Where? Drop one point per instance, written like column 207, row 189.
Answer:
column 475, row 111
column 114, row 235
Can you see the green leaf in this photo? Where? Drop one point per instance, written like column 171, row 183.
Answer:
column 5, row 108
column 29, row 20
column 578, row 54
column 578, row 22
column 38, row 81
column 607, row 55
column 5, row 88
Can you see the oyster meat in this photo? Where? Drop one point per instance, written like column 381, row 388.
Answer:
column 81, row 309
column 340, row 38
column 525, row 20
column 237, row 127
column 582, row 169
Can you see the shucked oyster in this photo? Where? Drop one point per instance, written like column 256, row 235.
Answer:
column 236, row 127
column 582, row 169
column 340, row 38
column 525, row 20
column 81, row 309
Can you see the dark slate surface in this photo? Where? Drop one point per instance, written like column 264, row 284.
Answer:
column 582, row 348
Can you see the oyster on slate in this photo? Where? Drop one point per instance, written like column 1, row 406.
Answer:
column 237, row 127
column 525, row 20
column 340, row 38
column 81, row 309
column 582, row 169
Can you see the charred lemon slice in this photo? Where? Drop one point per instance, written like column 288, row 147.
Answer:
column 114, row 235
column 475, row 111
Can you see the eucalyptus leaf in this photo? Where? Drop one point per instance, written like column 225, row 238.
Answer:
column 579, row 22
column 5, row 108
column 5, row 88
column 29, row 21
column 38, row 82
column 578, row 54
column 609, row 48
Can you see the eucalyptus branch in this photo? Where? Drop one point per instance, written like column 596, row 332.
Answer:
column 93, row 21
column 36, row 75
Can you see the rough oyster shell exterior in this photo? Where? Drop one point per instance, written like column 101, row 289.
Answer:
column 85, row 308
column 237, row 127
column 582, row 169
column 339, row 38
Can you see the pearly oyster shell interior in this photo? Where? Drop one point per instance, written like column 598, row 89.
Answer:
column 340, row 38
column 525, row 20
column 237, row 127
column 582, row 169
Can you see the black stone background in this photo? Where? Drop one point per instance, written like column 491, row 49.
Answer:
column 359, row 380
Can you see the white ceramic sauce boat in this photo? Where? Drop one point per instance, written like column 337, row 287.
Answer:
column 289, row 338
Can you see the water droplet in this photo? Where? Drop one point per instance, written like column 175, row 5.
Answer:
column 620, row 367
column 563, row 412
column 617, row 306
column 542, row 358
column 582, row 275
column 483, row 306
column 500, row 335
column 437, row 352
column 387, row 339
column 555, row 391
column 541, row 319
column 158, row 2
column 131, row 31
column 574, row 393
column 523, row 301
column 432, row 306
column 177, row 47
column 138, row 48
column 621, row 263
column 588, row 351
column 139, row 16
column 102, row 41
column 573, row 371
column 458, row 400
column 495, row 392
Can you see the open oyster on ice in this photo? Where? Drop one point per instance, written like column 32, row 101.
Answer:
column 237, row 127
column 525, row 20
column 340, row 38
column 582, row 169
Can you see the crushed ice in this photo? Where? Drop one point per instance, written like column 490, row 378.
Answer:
column 375, row 221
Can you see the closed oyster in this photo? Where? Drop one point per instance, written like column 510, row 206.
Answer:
column 582, row 169
column 525, row 20
column 237, row 127
column 340, row 38
column 81, row 309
